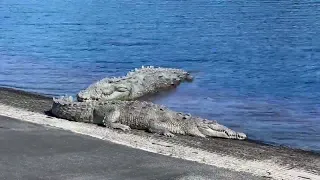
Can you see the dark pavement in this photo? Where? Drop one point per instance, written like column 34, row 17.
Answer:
column 29, row 151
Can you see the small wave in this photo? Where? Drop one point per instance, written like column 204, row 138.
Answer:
column 129, row 44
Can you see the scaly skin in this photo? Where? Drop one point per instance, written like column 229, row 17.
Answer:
column 135, row 84
column 140, row 115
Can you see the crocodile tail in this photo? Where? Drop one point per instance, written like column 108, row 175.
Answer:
column 66, row 108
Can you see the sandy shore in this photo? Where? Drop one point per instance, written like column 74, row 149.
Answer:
column 246, row 156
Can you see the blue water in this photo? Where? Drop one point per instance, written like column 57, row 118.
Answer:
column 257, row 63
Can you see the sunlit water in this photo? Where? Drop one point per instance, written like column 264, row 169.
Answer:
column 257, row 63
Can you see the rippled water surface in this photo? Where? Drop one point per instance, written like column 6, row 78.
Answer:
column 257, row 63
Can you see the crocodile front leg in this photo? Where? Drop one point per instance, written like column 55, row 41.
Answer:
column 120, row 126
column 157, row 128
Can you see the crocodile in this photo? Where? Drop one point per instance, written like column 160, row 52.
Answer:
column 137, row 83
column 140, row 115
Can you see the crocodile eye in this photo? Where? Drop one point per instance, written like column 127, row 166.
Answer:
column 180, row 114
column 121, row 89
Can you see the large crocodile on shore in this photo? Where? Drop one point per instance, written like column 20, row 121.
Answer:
column 136, row 84
column 109, row 102
column 141, row 115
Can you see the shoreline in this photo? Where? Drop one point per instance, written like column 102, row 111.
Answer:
column 249, row 150
column 46, row 101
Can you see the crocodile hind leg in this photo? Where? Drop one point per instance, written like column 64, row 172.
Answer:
column 195, row 132
column 158, row 128
column 110, row 119
column 120, row 126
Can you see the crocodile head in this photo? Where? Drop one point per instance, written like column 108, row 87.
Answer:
column 213, row 129
column 197, row 126
column 106, row 91
column 178, row 75
column 188, row 77
column 169, row 73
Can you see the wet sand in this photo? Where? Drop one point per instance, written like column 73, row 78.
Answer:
column 291, row 158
